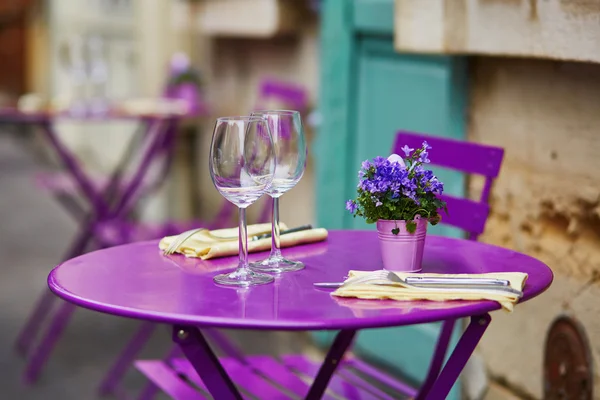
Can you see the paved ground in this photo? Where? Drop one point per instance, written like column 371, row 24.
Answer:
column 34, row 231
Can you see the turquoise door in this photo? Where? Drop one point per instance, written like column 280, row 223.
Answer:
column 368, row 93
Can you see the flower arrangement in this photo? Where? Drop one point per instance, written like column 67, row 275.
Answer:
column 398, row 189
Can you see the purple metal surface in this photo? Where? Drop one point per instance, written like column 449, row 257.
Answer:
column 167, row 380
column 137, row 281
column 36, row 318
column 32, row 325
column 183, row 367
column 471, row 158
column 287, row 95
column 41, row 353
column 210, row 370
column 249, row 381
column 274, row 370
column 402, row 251
column 467, row 157
column 383, row 377
column 455, row 364
column 333, row 359
column 343, row 384
column 439, row 355
column 127, row 356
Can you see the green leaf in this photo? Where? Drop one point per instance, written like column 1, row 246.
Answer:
column 411, row 226
column 396, row 231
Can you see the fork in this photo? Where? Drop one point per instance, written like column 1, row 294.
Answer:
column 180, row 239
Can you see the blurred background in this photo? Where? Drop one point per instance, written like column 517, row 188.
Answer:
column 522, row 75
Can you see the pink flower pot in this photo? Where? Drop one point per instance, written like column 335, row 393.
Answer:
column 402, row 252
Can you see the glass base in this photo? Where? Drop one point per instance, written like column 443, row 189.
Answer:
column 243, row 277
column 277, row 265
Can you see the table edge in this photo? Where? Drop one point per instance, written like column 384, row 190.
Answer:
column 473, row 309
column 481, row 307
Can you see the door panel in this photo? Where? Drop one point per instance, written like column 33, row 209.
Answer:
column 395, row 92
column 368, row 93
column 413, row 93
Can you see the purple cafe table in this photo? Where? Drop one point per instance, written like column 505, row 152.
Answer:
column 137, row 281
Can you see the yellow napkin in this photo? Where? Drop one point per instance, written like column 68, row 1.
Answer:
column 205, row 247
column 369, row 291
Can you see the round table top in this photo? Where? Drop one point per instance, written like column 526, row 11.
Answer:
column 137, row 281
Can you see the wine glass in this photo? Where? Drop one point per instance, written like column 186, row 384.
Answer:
column 242, row 163
column 290, row 154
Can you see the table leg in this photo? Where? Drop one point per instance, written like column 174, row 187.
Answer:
column 33, row 323
column 457, row 361
column 47, row 299
column 127, row 356
column 205, row 362
column 75, row 170
column 341, row 343
column 42, row 352
column 439, row 355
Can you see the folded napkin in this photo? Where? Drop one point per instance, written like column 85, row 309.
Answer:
column 403, row 293
column 204, row 246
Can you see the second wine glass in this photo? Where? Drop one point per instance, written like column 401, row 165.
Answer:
column 290, row 154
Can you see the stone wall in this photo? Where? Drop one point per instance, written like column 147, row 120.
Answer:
column 545, row 202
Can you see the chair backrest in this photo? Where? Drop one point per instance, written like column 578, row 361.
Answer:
column 283, row 94
column 279, row 94
column 466, row 157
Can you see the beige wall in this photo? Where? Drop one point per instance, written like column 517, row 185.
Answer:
column 546, row 200
column 234, row 69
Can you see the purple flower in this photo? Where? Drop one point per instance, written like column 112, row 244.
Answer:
column 407, row 150
column 385, row 185
column 351, row 206
column 426, row 145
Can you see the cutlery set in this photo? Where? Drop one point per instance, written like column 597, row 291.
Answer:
column 388, row 278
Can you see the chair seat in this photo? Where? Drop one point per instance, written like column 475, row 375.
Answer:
column 265, row 377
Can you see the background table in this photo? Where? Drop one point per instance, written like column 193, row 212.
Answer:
column 104, row 215
column 137, row 281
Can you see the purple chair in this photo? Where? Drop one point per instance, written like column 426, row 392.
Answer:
column 468, row 158
column 282, row 95
column 271, row 92
column 354, row 379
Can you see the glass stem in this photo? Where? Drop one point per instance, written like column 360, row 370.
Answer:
column 275, row 231
column 243, row 241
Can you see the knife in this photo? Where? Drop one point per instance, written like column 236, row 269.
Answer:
column 425, row 280
column 292, row 230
